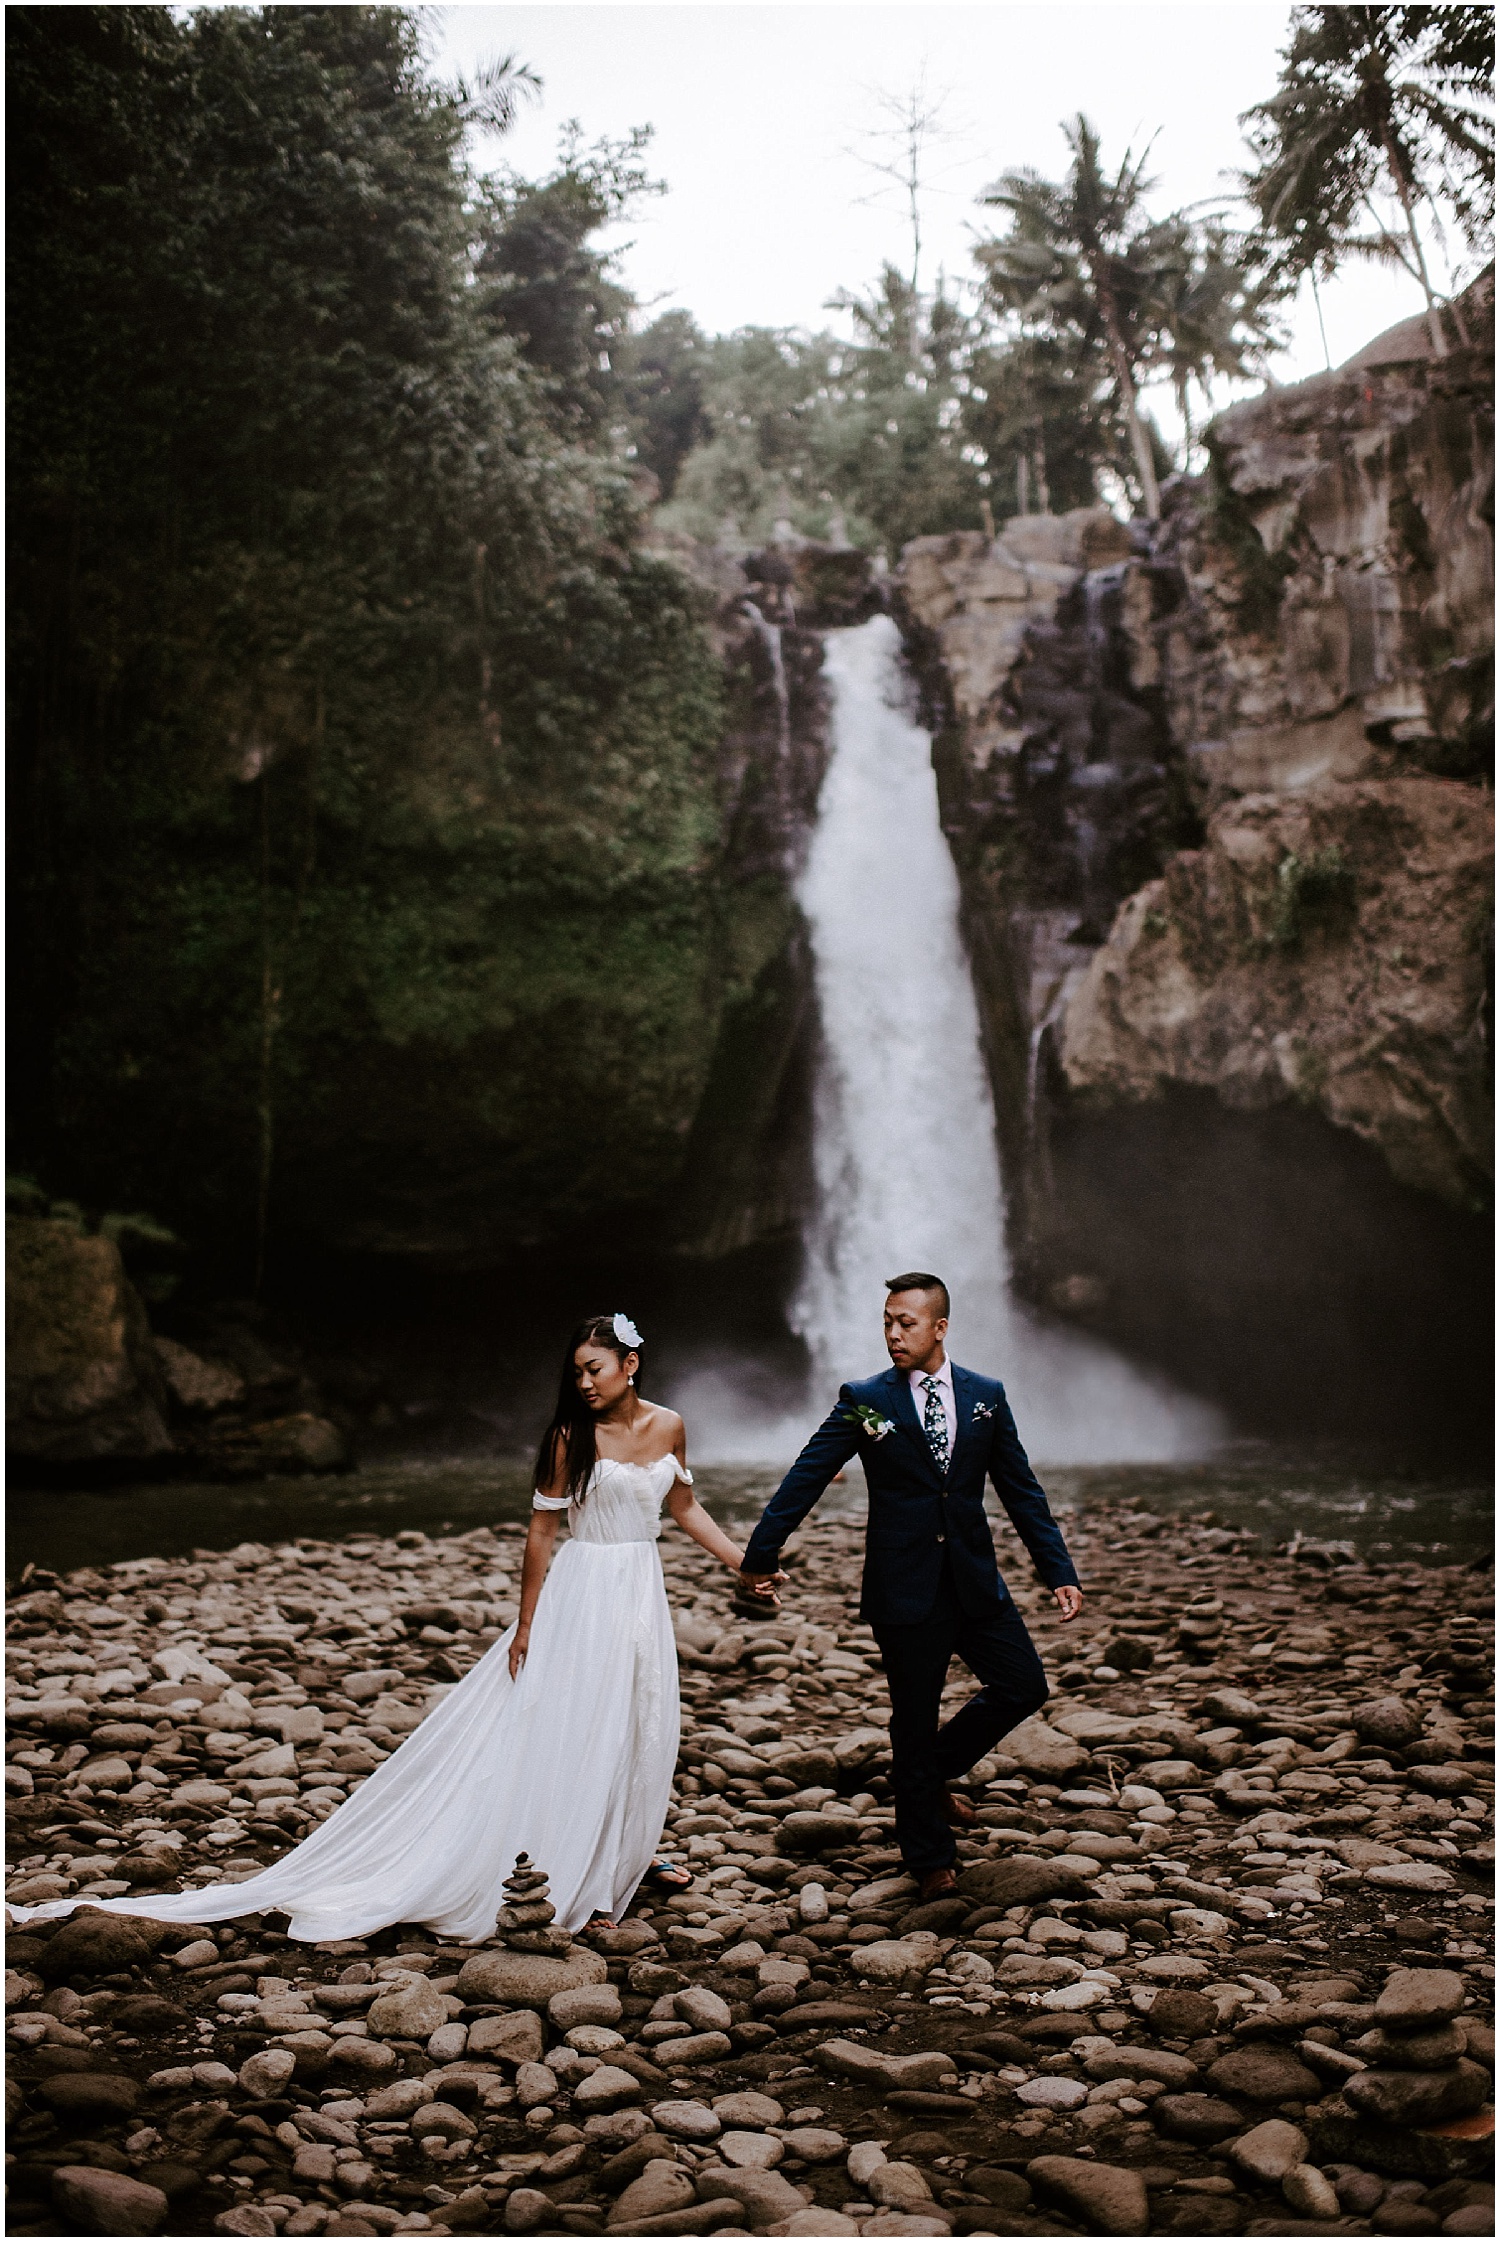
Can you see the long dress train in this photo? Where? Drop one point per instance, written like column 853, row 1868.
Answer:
column 572, row 1762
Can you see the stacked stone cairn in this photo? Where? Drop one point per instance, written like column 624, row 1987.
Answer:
column 527, row 1922
column 1422, row 2094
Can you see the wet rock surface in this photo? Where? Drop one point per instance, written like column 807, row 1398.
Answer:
column 1219, row 1961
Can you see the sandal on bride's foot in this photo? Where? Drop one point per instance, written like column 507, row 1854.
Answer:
column 668, row 1877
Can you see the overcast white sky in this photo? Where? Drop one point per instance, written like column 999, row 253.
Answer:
column 757, row 111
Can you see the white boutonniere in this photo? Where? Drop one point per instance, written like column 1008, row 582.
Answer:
column 982, row 1411
column 870, row 1421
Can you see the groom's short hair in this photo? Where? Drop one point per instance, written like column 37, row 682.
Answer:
column 920, row 1280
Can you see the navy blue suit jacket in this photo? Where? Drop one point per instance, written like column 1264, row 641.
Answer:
column 919, row 1515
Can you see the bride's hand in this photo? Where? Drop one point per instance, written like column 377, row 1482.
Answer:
column 520, row 1644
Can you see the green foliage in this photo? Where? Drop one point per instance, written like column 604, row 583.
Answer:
column 661, row 385
column 548, row 286
column 865, row 438
column 1099, row 294
column 362, row 805
column 932, row 417
column 1317, row 887
column 1399, row 98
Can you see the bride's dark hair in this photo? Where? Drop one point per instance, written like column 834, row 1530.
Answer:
column 572, row 1429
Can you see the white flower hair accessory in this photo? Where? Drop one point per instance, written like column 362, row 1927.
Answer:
column 626, row 1332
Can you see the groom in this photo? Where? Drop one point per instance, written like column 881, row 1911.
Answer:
column 927, row 1434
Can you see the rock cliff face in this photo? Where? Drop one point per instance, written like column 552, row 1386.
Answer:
column 93, row 1396
column 1217, row 799
column 746, row 1177
column 81, row 1381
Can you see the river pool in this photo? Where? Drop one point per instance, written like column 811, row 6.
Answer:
column 1382, row 1514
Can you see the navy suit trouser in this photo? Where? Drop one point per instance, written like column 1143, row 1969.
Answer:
column 925, row 1757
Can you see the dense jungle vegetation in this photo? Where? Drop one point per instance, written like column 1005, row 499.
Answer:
column 366, row 855
column 362, row 762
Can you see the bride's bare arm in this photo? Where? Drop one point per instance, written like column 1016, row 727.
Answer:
column 690, row 1515
column 540, row 1536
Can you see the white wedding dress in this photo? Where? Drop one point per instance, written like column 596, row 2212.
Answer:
column 571, row 1763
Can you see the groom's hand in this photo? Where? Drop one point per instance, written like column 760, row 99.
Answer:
column 1069, row 1602
column 763, row 1586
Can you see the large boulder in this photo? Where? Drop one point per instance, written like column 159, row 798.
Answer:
column 82, row 1380
column 1107, row 2196
column 528, row 1980
column 101, row 2202
column 278, row 1447
column 1021, row 1881
column 1044, row 1751
column 92, row 1944
column 1416, row 2000
column 869, row 2066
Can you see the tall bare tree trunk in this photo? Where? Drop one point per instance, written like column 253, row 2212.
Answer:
column 1145, row 465
column 1434, row 315
column 1322, row 330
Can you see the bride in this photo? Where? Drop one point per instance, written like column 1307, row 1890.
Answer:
column 560, row 1743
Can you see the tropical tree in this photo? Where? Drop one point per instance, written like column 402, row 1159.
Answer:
column 492, row 98
column 662, row 373
column 1084, row 260
column 549, row 286
column 1371, row 95
column 838, row 435
column 355, row 744
column 1042, row 418
column 1217, row 318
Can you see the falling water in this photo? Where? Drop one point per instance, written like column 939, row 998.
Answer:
column 769, row 634
column 906, row 1161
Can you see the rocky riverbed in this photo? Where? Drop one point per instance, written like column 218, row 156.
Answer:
column 1219, row 1963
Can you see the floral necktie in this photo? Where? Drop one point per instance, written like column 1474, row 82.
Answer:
column 935, row 1424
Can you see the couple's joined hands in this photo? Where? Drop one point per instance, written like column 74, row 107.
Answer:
column 751, row 1589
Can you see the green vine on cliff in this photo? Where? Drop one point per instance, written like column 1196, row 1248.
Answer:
column 1262, row 576
column 1321, row 886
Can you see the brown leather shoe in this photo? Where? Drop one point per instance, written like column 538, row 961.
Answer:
column 938, row 1883
column 960, row 1810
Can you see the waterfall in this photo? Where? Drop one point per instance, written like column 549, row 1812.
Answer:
column 769, row 634
column 906, row 1160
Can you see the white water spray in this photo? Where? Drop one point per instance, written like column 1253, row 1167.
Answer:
column 906, row 1162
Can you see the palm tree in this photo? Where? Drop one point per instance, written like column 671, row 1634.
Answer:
column 492, row 98
column 1084, row 256
column 1402, row 93
column 1216, row 319
column 1049, row 409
